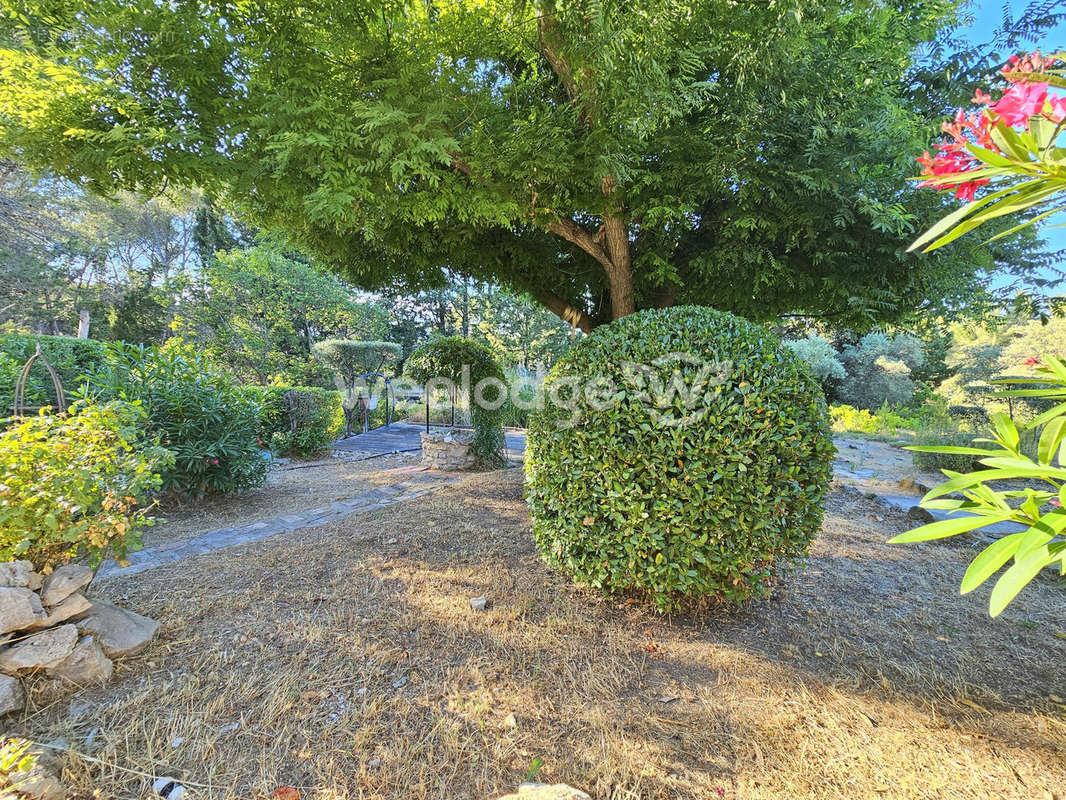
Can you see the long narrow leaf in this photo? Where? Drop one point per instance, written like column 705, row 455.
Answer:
column 989, row 561
column 946, row 528
column 1017, row 577
column 964, row 211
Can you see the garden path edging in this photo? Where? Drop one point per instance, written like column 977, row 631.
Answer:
column 378, row 497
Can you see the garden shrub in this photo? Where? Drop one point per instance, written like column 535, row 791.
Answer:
column 633, row 489
column 299, row 420
column 71, row 358
column 197, row 410
column 466, row 364
column 821, row 359
column 934, row 462
column 848, row 419
column 879, row 370
column 72, row 484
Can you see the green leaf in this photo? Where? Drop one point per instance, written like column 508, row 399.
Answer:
column 1050, row 439
column 947, row 527
column 989, row 561
column 1017, row 577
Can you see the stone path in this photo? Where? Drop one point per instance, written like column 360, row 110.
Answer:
column 888, row 472
column 404, row 436
column 375, row 498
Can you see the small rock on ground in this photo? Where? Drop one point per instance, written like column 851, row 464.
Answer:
column 42, row 650
column 479, row 603
column 19, row 608
column 62, row 583
column 16, row 573
column 86, row 664
column 12, row 697
column 920, row 515
column 73, row 606
column 119, row 631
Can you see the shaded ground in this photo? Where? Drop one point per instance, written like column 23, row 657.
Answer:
column 346, row 660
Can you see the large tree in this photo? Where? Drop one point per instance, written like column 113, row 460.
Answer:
column 602, row 156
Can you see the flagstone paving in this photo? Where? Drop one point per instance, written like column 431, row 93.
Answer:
column 375, row 498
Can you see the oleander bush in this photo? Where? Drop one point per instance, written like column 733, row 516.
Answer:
column 1034, row 459
column 678, row 477
column 77, row 484
column 196, row 408
column 299, row 420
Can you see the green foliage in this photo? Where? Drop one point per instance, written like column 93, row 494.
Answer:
column 71, row 485
column 518, row 331
column 299, row 420
column 647, row 492
column 879, row 370
column 713, row 177
column 351, row 360
column 465, row 364
column 125, row 259
column 933, row 461
column 71, row 358
column 261, row 310
column 196, row 408
column 16, row 760
column 1040, row 510
column 821, row 358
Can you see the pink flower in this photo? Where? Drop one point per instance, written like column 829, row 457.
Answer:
column 981, row 98
column 1056, row 502
column 1020, row 102
column 1031, row 361
column 215, row 462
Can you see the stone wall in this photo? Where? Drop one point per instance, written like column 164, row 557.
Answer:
column 447, row 449
column 48, row 625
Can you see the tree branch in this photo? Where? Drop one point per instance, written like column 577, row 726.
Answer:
column 562, row 309
column 575, row 234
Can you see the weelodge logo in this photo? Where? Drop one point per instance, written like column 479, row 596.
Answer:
column 675, row 390
column 683, row 399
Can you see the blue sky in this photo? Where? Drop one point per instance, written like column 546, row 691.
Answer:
column 988, row 16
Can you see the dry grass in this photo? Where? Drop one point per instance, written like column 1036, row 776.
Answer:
column 346, row 661
column 289, row 488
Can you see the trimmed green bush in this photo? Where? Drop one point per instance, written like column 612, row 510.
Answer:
column 350, row 359
column 196, row 408
column 699, row 493
column 299, row 420
column 467, row 364
column 71, row 358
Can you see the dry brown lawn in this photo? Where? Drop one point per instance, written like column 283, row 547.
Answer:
column 347, row 662
column 289, row 488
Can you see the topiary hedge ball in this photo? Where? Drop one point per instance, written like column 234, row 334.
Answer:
column 680, row 453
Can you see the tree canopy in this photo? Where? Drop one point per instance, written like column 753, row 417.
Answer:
column 600, row 156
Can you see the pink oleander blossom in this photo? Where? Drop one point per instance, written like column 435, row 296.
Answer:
column 1020, row 103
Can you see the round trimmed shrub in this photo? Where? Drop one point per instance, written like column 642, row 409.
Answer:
column 680, row 454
